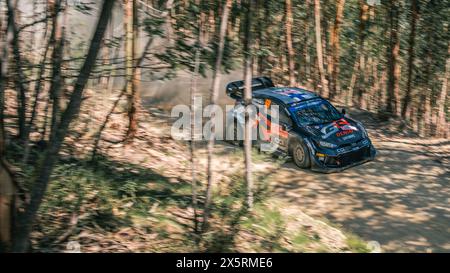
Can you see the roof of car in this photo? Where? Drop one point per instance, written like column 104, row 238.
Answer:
column 287, row 95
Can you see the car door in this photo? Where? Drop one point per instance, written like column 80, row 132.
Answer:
column 272, row 130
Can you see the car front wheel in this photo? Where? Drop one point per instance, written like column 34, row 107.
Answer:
column 300, row 154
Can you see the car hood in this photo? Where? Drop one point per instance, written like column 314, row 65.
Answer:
column 342, row 131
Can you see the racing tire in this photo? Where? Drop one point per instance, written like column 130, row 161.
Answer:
column 300, row 155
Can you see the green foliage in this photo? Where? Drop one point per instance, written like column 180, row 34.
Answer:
column 83, row 7
column 107, row 196
column 356, row 244
column 153, row 26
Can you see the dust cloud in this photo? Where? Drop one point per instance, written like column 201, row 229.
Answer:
column 168, row 93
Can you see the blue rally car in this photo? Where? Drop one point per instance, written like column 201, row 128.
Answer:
column 311, row 130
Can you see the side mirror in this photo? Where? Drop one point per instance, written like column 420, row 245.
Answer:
column 285, row 127
column 343, row 111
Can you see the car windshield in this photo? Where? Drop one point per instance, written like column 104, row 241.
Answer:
column 317, row 111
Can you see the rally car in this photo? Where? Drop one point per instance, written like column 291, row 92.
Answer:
column 311, row 130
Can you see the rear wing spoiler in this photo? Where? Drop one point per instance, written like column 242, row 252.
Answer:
column 235, row 90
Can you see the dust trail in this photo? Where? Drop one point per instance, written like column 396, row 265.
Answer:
column 166, row 94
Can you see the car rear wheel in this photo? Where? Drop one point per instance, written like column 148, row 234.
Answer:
column 300, row 154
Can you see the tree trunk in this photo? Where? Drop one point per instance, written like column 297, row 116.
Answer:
column 7, row 185
column 334, row 39
column 38, row 87
column 193, row 91
column 289, row 46
column 262, row 41
column 129, row 26
column 40, row 71
column 3, row 74
column 25, row 220
column 360, row 83
column 194, row 110
column 351, row 87
column 57, row 40
column 306, row 48
column 19, row 78
column 8, row 195
column 138, row 64
column 214, row 98
column 411, row 57
column 323, row 82
column 442, row 128
column 393, row 56
column 248, row 101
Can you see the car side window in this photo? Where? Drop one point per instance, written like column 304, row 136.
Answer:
column 257, row 101
column 284, row 118
column 283, row 115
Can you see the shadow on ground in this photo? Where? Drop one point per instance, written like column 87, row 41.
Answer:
column 400, row 200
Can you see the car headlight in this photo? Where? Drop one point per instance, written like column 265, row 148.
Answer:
column 327, row 144
column 363, row 130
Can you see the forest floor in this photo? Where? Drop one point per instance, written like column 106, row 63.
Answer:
column 136, row 197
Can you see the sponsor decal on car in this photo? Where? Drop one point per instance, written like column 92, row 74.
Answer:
column 343, row 133
column 348, row 137
column 295, row 94
column 298, row 106
column 340, row 128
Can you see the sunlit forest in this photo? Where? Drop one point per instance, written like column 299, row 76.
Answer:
column 88, row 163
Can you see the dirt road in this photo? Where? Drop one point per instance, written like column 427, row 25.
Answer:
column 401, row 200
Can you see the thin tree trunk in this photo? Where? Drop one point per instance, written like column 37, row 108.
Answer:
column 129, row 26
column 26, row 219
column 112, row 73
column 393, row 55
column 248, row 101
column 351, row 86
column 289, row 46
column 19, row 78
column 442, row 129
column 382, row 87
column 57, row 40
column 306, row 48
column 423, row 107
column 262, row 28
column 40, row 72
column 58, row 43
column 323, row 82
column 4, row 42
column 373, row 94
column 334, row 62
column 138, row 64
column 214, row 97
column 427, row 113
column 7, row 185
column 411, row 57
column 193, row 93
column 38, row 87
column 107, row 59
column 360, row 83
